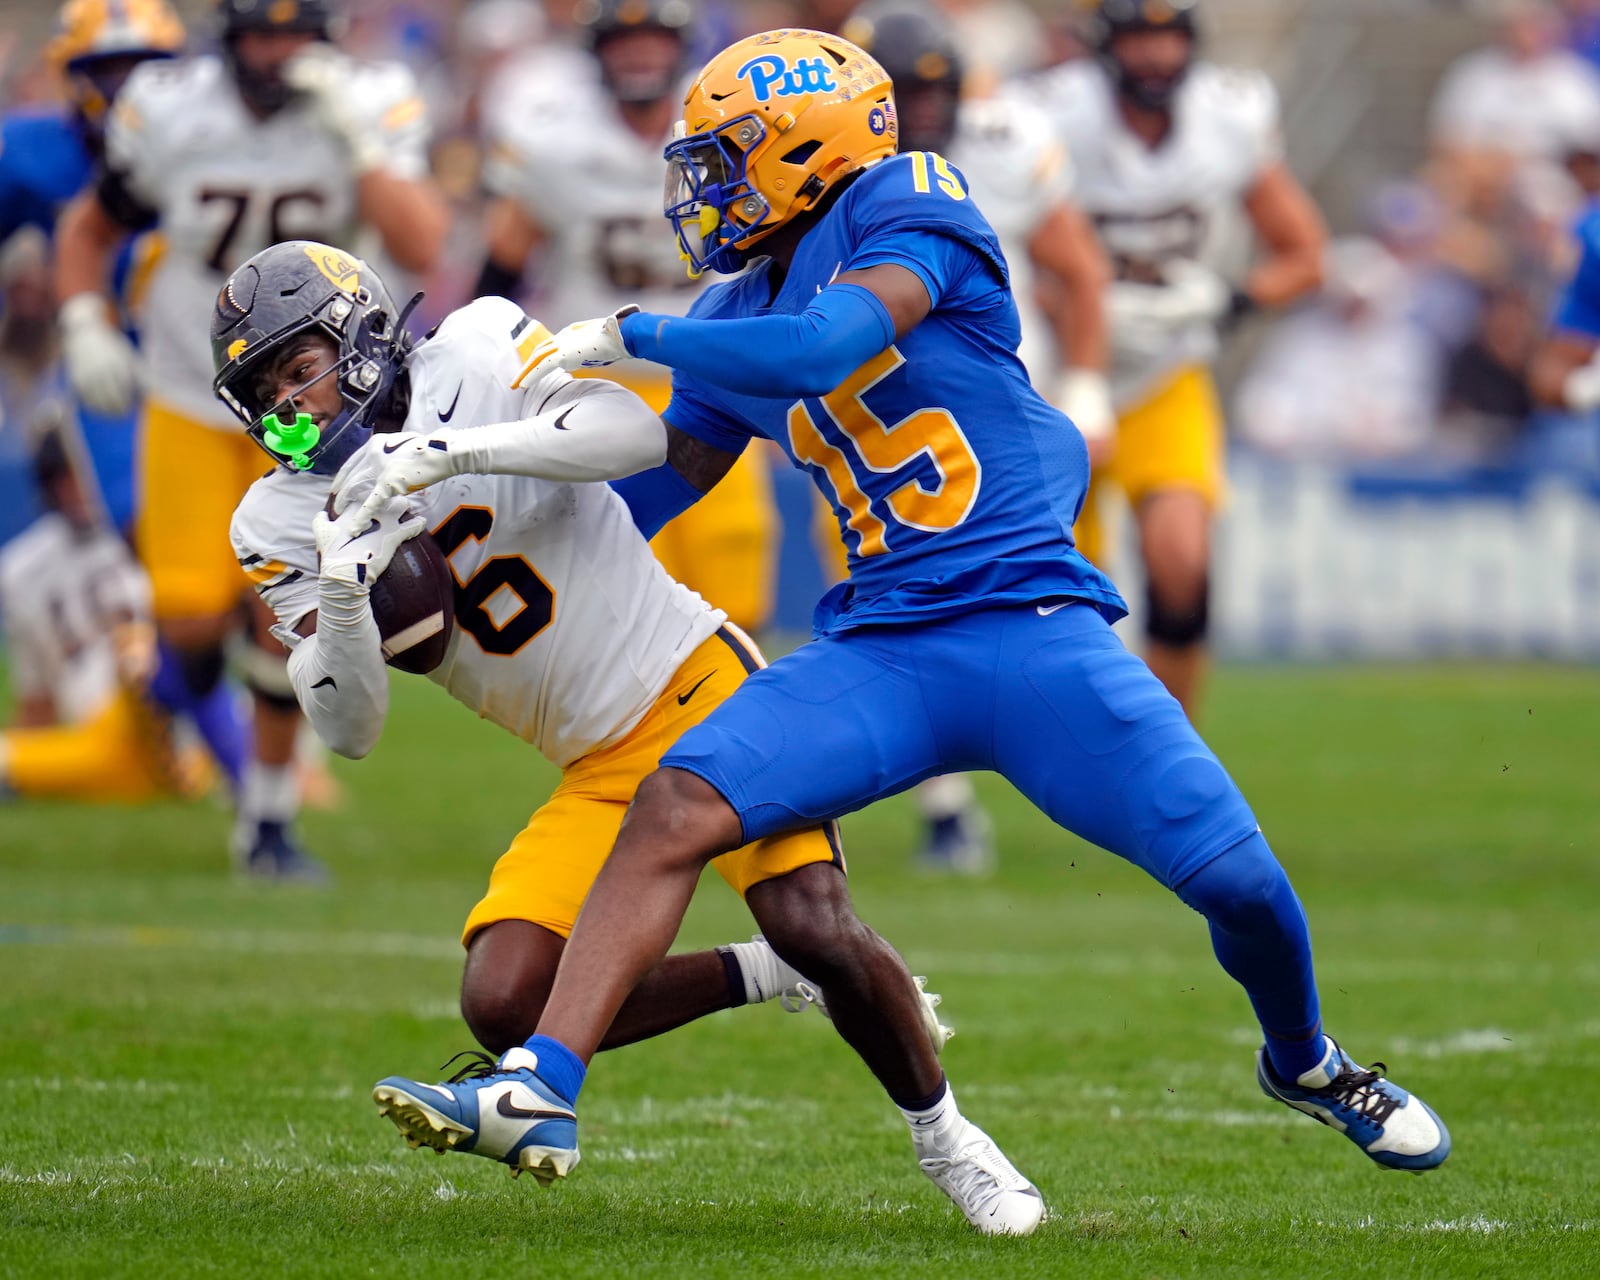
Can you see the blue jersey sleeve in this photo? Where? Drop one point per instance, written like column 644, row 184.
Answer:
column 1579, row 308
column 694, row 411
column 915, row 212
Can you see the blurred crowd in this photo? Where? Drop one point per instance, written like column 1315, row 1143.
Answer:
column 1420, row 346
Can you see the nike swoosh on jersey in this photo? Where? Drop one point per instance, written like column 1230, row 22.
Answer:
column 1045, row 610
column 446, row 414
column 511, row 1111
column 561, row 420
column 683, row 698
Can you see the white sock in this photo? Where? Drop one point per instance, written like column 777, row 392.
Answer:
column 765, row 976
column 271, row 793
column 934, row 1132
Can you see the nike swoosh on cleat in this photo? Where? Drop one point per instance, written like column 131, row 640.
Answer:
column 683, row 698
column 446, row 414
column 326, row 682
column 511, row 1111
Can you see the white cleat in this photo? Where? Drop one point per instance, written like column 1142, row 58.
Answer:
column 795, row 997
column 985, row 1186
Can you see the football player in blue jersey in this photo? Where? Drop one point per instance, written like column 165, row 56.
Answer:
column 873, row 335
column 1566, row 370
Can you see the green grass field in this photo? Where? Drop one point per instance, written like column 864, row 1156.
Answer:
column 185, row 1061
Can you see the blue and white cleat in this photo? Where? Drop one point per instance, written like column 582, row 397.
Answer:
column 494, row 1108
column 1395, row 1128
column 269, row 851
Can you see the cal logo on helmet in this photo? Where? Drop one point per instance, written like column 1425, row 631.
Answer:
column 341, row 269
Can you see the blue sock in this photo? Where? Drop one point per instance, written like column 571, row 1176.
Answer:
column 216, row 714
column 1259, row 934
column 559, row 1067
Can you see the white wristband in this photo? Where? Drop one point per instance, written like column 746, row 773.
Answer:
column 1084, row 395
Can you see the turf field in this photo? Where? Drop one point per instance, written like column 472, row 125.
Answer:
column 184, row 1061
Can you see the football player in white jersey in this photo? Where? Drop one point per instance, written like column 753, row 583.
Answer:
column 575, row 168
column 279, row 135
column 1020, row 176
column 568, row 633
column 1164, row 148
column 82, row 652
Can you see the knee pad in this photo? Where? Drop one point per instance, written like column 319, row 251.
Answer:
column 202, row 670
column 1178, row 627
column 1244, row 890
column 267, row 676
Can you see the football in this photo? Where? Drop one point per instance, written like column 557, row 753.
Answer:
column 413, row 603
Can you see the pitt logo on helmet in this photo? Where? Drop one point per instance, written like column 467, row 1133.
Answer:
column 771, row 76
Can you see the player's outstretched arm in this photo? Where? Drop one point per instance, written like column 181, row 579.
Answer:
column 777, row 356
column 100, row 361
column 586, row 430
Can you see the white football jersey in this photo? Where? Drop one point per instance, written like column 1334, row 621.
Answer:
column 595, row 188
column 226, row 185
column 567, row 629
column 1153, row 205
column 1017, row 171
column 62, row 591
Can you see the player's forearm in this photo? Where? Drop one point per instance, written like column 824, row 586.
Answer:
column 339, row 675
column 85, row 239
column 591, row 430
column 1075, row 269
column 1564, row 374
column 409, row 215
column 1284, row 277
column 779, row 357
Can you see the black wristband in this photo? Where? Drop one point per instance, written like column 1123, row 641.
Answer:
column 1240, row 304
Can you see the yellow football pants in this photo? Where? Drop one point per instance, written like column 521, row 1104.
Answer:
column 123, row 754
column 1172, row 440
column 191, row 477
column 545, row 875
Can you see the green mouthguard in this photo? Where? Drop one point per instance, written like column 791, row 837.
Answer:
column 292, row 440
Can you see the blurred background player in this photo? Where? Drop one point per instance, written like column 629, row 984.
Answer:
column 280, row 136
column 575, row 169
column 1020, row 176
column 48, row 155
column 82, row 653
column 1164, row 148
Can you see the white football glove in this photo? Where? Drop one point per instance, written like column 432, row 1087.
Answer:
column 587, row 344
column 102, row 365
column 355, row 552
column 323, row 73
column 1581, row 390
column 390, row 466
column 1084, row 395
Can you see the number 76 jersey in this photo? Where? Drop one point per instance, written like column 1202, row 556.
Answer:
column 955, row 484
column 567, row 629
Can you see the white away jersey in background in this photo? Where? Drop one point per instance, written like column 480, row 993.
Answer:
column 1152, row 205
column 62, row 592
column 595, row 187
column 226, row 185
column 1017, row 171
column 567, row 629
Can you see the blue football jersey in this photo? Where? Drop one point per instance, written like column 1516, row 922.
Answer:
column 43, row 164
column 954, row 482
column 1579, row 308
